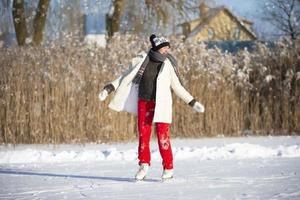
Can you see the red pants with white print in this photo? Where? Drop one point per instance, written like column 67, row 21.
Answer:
column 145, row 117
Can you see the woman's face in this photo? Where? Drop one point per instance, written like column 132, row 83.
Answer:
column 164, row 50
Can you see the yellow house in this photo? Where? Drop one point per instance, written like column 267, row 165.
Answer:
column 217, row 24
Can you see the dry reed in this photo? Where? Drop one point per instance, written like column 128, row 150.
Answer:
column 50, row 94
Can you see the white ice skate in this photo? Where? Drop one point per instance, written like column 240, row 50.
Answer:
column 167, row 174
column 142, row 172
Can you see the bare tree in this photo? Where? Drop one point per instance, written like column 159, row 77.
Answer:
column 150, row 13
column 113, row 18
column 19, row 20
column 39, row 21
column 284, row 15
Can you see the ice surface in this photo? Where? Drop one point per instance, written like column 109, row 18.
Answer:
column 217, row 168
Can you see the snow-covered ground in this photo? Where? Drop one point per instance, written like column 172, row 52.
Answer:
column 209, row 168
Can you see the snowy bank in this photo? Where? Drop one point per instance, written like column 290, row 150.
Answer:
column 237, row 149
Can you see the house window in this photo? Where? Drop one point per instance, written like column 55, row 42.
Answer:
column 210, row 33
column 236, row 33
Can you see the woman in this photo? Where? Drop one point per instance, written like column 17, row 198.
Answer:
column 145, row 89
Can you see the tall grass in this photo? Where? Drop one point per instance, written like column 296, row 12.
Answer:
column 50, row 94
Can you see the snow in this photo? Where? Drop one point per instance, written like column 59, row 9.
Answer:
column 95, row 39
column 90, row 153
column 208, row 168
column 111, row 11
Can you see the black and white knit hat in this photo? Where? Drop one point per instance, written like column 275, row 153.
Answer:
column 158, row 42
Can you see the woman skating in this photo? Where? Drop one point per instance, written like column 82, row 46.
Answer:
column 145, row 89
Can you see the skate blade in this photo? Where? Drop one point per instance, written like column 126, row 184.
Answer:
column 166, row 179
column 140, row 180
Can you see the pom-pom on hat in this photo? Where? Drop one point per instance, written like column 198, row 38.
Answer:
column 158, row 42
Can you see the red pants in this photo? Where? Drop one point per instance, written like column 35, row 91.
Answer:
column 145, row 117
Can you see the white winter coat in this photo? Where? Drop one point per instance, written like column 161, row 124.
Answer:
column 126, row 95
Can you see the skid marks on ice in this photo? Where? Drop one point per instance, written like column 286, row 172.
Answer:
column 288, row 194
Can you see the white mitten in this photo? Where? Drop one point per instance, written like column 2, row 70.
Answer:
column 198, row 107
column 102, row 95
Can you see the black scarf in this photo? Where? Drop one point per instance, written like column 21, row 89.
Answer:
column 156, row 57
